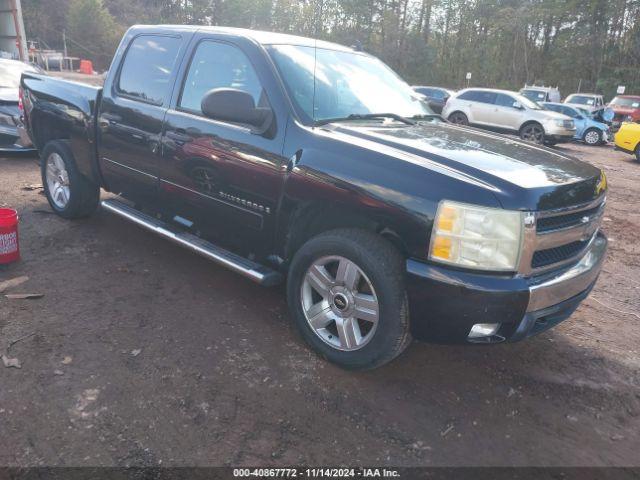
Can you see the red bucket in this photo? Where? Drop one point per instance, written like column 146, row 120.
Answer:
column 9, row 250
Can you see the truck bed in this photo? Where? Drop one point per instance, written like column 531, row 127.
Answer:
column 61, row 109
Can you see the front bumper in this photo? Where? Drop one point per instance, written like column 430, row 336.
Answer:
column 558, row 134
column 445, row 303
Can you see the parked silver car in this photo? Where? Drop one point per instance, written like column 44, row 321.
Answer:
column 510, row 112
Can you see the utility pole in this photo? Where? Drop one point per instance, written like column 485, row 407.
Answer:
column 64, row 42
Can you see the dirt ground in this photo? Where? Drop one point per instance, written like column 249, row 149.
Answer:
column 141, row 353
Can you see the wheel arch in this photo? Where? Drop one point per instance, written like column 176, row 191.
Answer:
column 311, row 219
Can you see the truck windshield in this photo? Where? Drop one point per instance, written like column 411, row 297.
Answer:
column 330, row 84
column 581, row 100
column 626, row 102
column 534, row 95
column 527, row 103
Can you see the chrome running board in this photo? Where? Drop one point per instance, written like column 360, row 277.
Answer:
column 252, row 270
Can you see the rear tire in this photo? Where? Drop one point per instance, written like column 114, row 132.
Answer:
column 592, row 137
column 70, row 194
column 458, row 118
column 357, row 320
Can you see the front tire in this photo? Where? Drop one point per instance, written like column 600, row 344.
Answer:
column 532, row 132
column 592, row 137
column 70, row 194
column 346, row 293
column 458, row 118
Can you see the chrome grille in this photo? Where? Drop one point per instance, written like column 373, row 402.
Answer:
column 554, row 238
column 545, row 224
column 549, row 256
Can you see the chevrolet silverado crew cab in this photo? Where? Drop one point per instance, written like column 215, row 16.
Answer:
column 282, row 157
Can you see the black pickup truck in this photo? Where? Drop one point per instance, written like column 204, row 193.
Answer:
column 285, row 157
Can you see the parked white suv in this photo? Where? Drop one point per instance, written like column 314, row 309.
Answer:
column 511, row 112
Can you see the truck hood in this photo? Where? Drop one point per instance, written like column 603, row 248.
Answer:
column 625, row 110
column 522, row 176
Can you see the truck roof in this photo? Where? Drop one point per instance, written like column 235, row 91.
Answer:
column 258, row 36
column 585, row 94
column 539, row 87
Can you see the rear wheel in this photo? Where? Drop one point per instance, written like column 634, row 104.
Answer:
column 593, row 136
column 347, row 295
column 70, row 194
column 532, row 132
column 459, row 118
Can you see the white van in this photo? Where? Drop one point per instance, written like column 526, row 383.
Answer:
column 541, row 94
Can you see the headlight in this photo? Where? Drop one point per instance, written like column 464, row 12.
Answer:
column 476, row 237
column 564, row 123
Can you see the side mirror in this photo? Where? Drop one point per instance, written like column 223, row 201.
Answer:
column 233, row 105
column 517, row 105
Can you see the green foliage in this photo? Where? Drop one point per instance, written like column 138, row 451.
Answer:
column 92, row 30
column 504, row 43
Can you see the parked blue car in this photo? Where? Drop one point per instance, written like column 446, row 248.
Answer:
column 588, row 130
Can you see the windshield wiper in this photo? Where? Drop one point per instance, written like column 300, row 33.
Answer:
column 426, row 116
column 365, row 116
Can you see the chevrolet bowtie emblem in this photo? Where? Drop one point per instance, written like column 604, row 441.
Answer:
column 584, row 219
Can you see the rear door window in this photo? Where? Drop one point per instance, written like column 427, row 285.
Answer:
column 486, row 97
column 478, row 96
column 147, row 68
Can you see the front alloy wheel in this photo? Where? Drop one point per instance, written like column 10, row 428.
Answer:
column 532, row 133
column 340, row 303
column 592, row 137
column 347, row 297
column 459, row 118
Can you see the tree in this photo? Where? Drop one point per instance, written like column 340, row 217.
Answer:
column 92, row 31
column 505, row 43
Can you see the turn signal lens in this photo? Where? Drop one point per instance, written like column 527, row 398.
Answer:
column 442, row 248
column 477, row 237
column 446, row 219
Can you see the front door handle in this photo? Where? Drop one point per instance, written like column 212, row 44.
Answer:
column 104, row 123
column 178, row 138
